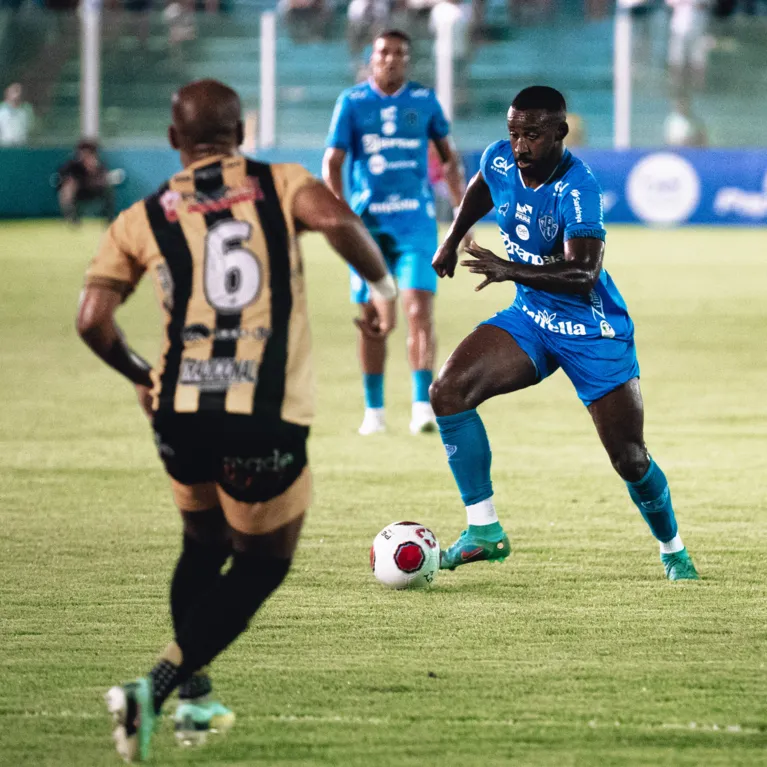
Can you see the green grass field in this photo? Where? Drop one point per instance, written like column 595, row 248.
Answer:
column 576, row 651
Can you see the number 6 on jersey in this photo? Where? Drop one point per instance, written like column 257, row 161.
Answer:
column 232, row 272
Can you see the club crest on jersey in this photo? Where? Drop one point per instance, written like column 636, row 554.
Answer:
column 523, row 213
column 549, row 227
column 504, row 209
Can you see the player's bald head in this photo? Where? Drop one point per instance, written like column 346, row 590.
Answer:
column 206, row 113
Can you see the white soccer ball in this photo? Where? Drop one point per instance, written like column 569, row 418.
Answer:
column 405, row 555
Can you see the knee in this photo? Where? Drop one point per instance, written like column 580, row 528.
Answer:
column 419, row 315
column 258, row 576
column 447, row 395
column 631, row 461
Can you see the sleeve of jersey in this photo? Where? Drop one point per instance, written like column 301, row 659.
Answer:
column 439, row 127
column 340, row 133
column 289, row 178
column 485, row 160
column 115, row 265
column 583, row 213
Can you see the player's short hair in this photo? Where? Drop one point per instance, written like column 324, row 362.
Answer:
column 397, row 34
column 539, row 97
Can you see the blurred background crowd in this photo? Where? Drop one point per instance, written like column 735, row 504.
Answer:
column 698, row 66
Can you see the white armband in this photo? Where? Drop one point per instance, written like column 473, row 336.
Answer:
column 384, row 288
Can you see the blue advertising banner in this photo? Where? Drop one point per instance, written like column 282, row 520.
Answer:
column 664, row 188
column 669, row 188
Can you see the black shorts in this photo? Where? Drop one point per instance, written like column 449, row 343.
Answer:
column 252, row 460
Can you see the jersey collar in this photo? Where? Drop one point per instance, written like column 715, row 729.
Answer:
column 553, row 173
column 381, row 94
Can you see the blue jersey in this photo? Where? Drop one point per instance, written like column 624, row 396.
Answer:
column 387, row 139
column 536, row 222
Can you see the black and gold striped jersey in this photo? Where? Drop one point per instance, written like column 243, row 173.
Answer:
column 219, row 240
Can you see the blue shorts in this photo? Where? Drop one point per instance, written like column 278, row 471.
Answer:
column 596, row 366
column 409, row 262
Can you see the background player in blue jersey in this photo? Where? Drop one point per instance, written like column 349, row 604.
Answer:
column 567, row 313
column 385, row 125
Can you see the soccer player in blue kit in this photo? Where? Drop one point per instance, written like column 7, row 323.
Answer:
column 567, row 313
column 385, row 125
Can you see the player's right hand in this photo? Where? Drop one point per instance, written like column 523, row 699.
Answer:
column 144, row 394
column 379, row 317
column 445, row 260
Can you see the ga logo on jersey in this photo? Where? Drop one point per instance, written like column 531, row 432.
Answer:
column 500, row 165
column 549, row 227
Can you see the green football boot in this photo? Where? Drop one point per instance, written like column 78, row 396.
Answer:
column 132, row 709
column 471, row 548
column 196, row 717
column 679, row 566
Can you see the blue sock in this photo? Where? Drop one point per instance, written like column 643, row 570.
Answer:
column 421, row 382
column 468, row 454
column 373, row 384
column 653, row 499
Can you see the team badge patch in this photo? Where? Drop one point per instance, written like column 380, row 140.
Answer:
column 549, row 227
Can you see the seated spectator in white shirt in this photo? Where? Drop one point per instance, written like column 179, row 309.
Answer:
column 16, row 118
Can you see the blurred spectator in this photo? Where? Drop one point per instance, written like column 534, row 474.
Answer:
column 577, row 133
column 306, row 20
column 16, row 118
column 459, row 17
column 682, row 127
column 366, row 18
column 689, row 43
column 179, row 16
column 85, row 179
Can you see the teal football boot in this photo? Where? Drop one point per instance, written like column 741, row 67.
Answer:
column 471, row 548
column 196, row 717
column 132, row 708
column 679, row 566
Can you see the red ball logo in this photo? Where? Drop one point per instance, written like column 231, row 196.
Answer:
column 409, row 557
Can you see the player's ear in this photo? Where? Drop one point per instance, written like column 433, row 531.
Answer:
column 240, row 133
column 173, row 137
column 563, row 130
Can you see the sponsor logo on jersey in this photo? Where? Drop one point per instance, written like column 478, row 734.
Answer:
column 217, row 373
column 194, row 334
column 549, row 227
column 358, row 94
column 560, row 187
column 514, row 249
column 378, row 164
column 500, row 165
column 504, row 209
column 576, row 195
column 420, row 93
column 372, row 143
column 394, row 205
column 523, row 213
column 597, row 307
column 523, row 232
column 200, row 203
column 547, row 320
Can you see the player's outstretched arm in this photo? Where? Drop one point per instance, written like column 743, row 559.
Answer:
column 332, row 166
column 476, row 203
column 578, row 273
column 318, row 210
column 96, row 326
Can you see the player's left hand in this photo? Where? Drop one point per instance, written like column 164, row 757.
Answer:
column 485, row 262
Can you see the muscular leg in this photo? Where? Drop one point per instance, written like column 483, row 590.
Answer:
column 205, row 549
column 259, row 565
column 421, row 349
column 486, row 363
column 372, row 353
column 619, row 420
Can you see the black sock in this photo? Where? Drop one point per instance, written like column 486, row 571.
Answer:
column 197, row 686
column 165, row 677
column 220, row 615
column 198, row 569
